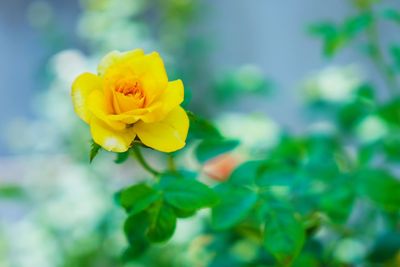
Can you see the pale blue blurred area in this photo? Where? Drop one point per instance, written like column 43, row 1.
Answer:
column 268, row 33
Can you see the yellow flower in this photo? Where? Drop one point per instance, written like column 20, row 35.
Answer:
column 131, row 97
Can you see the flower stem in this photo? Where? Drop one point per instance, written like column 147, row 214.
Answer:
column 142, row 161
column 171, row 163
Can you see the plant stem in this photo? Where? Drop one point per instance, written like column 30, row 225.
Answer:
column 378, row 58
column 171, row 163
column 142, row 161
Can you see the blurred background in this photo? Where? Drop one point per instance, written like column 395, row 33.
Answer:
column 249, row 61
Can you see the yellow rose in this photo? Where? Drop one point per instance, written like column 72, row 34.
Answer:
column 131, row 97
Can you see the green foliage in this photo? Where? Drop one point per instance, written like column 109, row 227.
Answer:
column 235, row 204
column 201, row 128
column 94, row 150
column 381, row 187
column 187, row 194
column 284, row 236
column 137, row 198
column 162, row 223
column 122, row 157
column 212, row 148
column 12, row 192
column 335, row 37
column 392, row 15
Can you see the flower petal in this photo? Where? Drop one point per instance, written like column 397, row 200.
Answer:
column 172, row 97
column 82, row 87
column 167, row 135
column 98, row 108
column 111, row 139
column 116, row 57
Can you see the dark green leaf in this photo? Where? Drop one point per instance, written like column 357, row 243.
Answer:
column 122, row 157
column 235, row 204
column 212, row 148
column 162, row 223
column 284, row 236
column 385, row 247
column 93, row 151
column 137, row 198
column 390, row 112
column 135, row 227
column 187, row 194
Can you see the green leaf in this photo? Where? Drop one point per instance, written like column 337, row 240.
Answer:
column 94, row 150
column 385, row 247
column 187, row 194
column 247, row 172
column 134, row 228
column 162, row 223
column 392, row 15
column 235, row 204
column 183, row 213
column 395, row 53
column 284, row 236
column 201, row 128
column 356, row 25
column 390, row 112
column 381, row 187
column 323, row 29
column 122, row 157
column 137, row 198
column 212, row 148
column 12, row 191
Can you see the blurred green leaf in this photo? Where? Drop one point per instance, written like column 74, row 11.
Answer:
column 246, row 173
column 355, row 25
column 390, row 112
column 211, row 148
column 134, row 228
column 395, row 53
column 122, row 157
column 12, row 191
column 137, row 198
column 392, row 15
column 284, row 236
column 338, row 204
column 385, row 247
column 235, row 204
column 201, row 128
column 188, row 195
column 381, row 187
column 94, row 150
column 391, row 147
column 162, row 223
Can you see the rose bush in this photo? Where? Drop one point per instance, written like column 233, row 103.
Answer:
column 131, row 97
